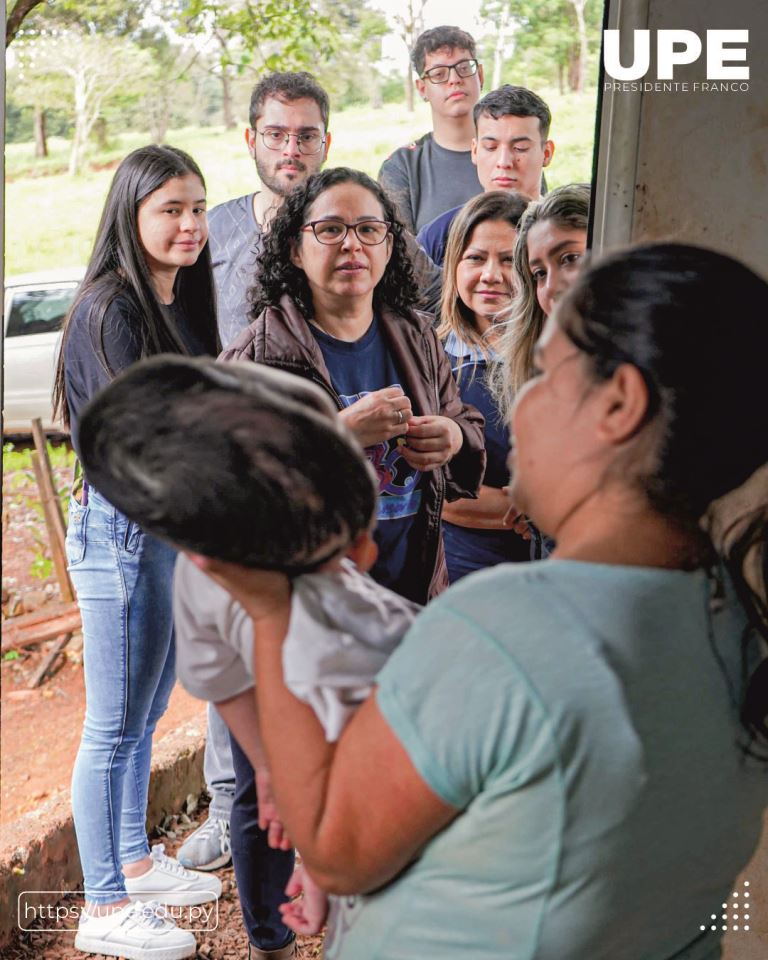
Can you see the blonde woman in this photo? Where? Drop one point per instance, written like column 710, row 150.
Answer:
column 552, row 241
column 478, row 285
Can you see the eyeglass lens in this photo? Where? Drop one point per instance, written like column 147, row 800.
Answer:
column 464, row 68
column 369, row 232
column 275, row 139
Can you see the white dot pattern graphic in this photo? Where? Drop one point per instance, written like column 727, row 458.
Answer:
column 738, row 918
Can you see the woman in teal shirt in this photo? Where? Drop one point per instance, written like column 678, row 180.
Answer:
column 562, row 760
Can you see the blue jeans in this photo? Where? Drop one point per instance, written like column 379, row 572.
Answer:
column 123, row 579
column 262, row 873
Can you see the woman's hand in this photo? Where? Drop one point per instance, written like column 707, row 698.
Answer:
column 514, row 520
column 431, row 442
column 378, row 416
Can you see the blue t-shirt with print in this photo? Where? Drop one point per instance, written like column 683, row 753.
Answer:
column 358, row 368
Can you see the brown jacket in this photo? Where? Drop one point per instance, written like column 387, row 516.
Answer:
column 281, row 337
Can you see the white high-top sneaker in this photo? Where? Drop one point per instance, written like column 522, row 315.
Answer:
column 138, row 931
column 170, row 883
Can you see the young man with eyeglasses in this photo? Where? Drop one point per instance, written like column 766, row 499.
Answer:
column 436, row 173
column 510, row 149
column 288, row 139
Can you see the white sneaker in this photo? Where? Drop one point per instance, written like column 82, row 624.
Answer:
column 208, row 847
column 170, row 883
column 140, row 931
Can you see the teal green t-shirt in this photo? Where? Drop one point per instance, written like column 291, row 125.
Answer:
column 582, row 718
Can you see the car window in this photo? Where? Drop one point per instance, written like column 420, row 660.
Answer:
column 39, row 311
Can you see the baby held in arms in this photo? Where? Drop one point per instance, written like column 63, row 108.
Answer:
column 241, row 464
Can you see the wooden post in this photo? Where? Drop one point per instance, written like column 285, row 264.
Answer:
column 48, row 661
column 53, row 521
column 42, row 449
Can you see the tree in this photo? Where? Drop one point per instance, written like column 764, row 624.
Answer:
column 86, row 68
column 258, row 35
column 409, row 25
column 559, row 32
column 33, row 19
column 21, row 10
column 498, row 13
column 354, row 76
column 40, row 92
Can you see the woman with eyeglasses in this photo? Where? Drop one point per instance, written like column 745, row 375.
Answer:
column 333, row 301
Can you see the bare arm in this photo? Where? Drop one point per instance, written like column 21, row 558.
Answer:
column 358, row 810
column 493, row 510
column 241, row 717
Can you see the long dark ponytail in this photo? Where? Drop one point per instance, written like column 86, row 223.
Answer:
column 695, row 324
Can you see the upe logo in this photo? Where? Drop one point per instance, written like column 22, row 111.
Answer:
column 677, row 47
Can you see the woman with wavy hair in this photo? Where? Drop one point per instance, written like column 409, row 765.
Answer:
column 334, row 301
column 478, row 286
column 551, row 243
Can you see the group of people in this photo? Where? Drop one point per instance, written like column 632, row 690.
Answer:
column 300, row 417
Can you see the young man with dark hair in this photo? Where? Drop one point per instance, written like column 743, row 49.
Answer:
column 435, row 173
column 510, row 149
column 288, row 139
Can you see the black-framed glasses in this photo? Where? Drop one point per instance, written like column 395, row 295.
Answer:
column 442, row 73
column 275, row 138
column 369, row 232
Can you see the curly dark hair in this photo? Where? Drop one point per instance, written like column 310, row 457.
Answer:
column 277, row 275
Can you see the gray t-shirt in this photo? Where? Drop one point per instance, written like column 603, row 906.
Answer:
column 235, row 239
column 424, row 179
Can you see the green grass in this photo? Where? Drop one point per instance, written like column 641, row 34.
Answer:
column 51, row 218
column 59, row 454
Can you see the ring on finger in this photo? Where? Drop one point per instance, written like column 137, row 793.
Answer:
column 400, row 417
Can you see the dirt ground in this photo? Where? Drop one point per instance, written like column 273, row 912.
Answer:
column 226, row 942
column 40, row 729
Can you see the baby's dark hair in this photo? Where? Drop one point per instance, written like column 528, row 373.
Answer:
column 235, row 461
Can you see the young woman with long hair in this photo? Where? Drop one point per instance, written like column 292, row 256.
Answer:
column 552, row 240
column 148, row 289
column 478, row 286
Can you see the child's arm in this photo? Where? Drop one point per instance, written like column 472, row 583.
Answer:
column 241, row 717
column 306, row 911
column 343, row 802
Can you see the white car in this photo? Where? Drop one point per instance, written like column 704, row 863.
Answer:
column 35, row 307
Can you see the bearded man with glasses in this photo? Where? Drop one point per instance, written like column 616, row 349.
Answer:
column 288, row 139
column 436, row 173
